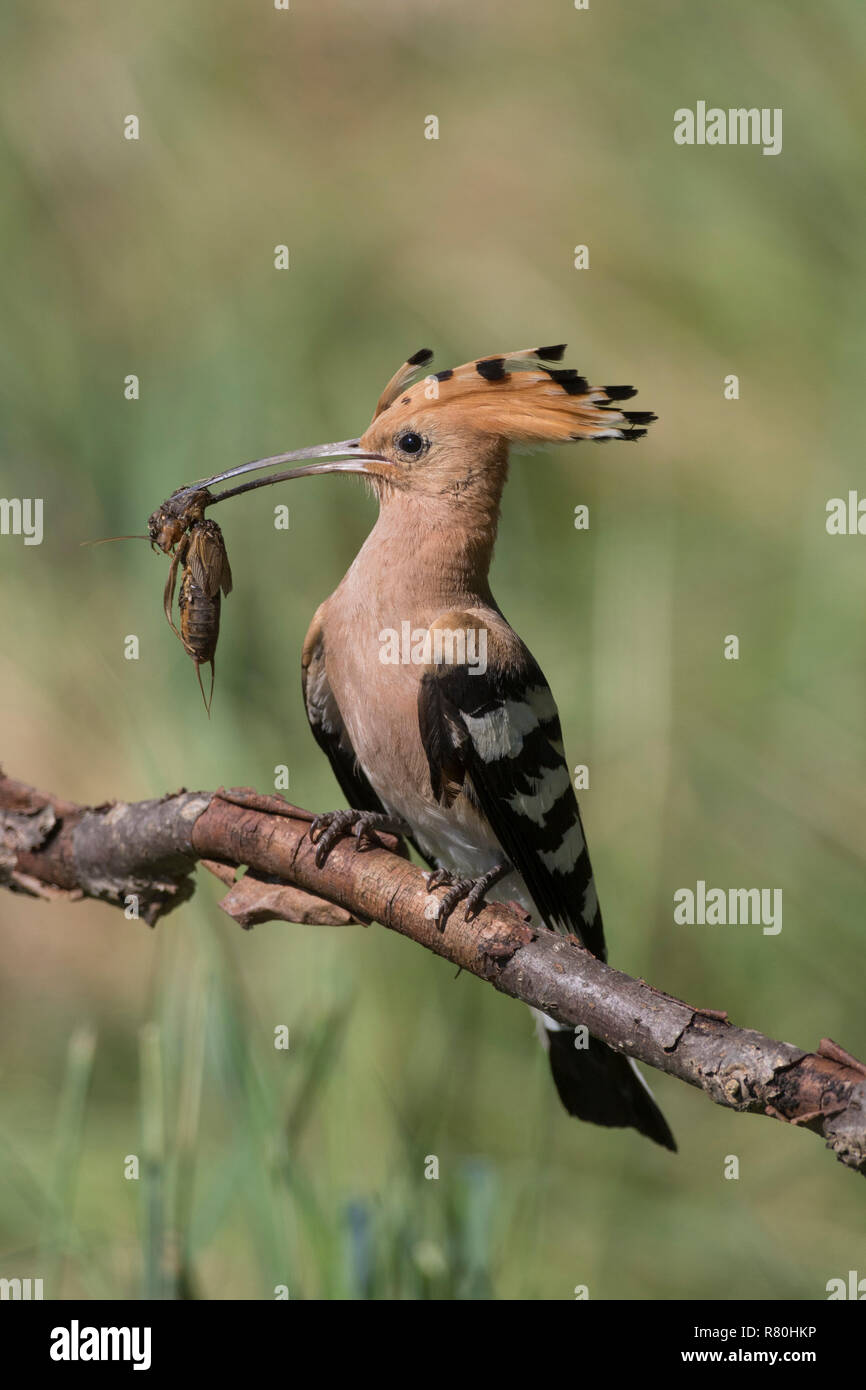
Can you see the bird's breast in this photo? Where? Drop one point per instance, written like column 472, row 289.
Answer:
column 374, row 662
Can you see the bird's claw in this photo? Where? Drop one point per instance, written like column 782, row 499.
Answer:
column 470, row 890
column 331, row 826
column 439, row 878
column 326, row 830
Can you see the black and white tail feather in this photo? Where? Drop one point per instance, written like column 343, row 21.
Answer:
column 602, row 1086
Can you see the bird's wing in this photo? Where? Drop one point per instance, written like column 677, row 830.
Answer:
column 494, row 735
column 329, row 729
column 327, row 724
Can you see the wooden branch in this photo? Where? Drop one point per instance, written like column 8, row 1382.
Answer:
column 145, row 854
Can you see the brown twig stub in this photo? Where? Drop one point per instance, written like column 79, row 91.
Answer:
column 151, row 848
column 274, row 805
column 828, row 1048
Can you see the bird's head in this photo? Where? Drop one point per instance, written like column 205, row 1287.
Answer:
column 447, row 433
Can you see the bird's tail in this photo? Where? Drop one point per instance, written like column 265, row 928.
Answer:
column 602, row 1086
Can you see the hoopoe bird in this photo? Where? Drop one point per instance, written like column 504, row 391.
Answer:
column 462, row 756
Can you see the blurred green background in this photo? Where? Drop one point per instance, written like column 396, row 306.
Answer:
column 305, row 1168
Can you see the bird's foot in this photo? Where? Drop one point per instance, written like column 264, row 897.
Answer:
column 470, row 890
column 327, row 829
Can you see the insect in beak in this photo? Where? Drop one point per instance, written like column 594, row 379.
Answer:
column 180, row 529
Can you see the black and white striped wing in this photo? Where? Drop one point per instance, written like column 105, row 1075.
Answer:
column 496, row 738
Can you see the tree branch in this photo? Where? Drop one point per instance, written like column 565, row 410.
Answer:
column 145, row 854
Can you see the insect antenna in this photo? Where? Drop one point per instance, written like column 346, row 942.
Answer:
column 106, row 539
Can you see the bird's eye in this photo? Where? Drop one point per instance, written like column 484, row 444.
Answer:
column 410, row 443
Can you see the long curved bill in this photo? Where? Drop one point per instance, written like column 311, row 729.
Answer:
column 343, row 457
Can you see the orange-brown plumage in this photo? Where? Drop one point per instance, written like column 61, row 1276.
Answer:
column 513, row 396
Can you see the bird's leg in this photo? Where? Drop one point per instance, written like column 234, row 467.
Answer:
column 473, row 890
column 327, row 829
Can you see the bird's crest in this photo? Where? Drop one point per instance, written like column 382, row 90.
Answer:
column 515, row 396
